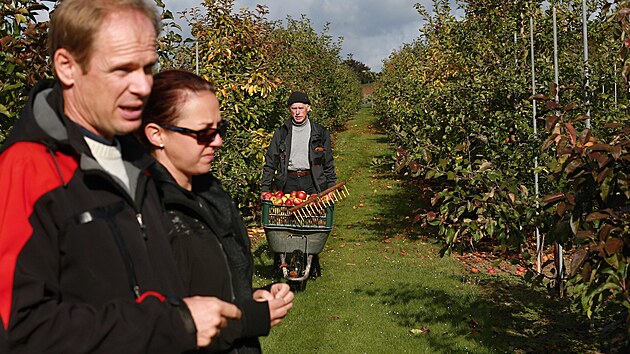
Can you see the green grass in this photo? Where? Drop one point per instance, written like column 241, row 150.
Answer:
column 384, row 288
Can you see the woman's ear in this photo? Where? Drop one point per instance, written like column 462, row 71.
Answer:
column 153, row 132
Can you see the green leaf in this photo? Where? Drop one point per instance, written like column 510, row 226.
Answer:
column 4, row 110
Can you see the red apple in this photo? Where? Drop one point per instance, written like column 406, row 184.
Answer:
column 279, row 194
column 293, row 194
column 267, row 195
column 301, row 194
column 297, row 201
column 288, row 202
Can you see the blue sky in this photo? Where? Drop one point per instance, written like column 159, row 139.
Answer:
column 371, row 29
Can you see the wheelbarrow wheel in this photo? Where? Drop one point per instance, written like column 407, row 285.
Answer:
column 297, row 286
column 277, row 262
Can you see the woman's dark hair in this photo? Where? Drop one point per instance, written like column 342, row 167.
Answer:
column 169, row 92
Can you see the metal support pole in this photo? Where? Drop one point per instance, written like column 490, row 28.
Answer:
column 515, row 50
column 587, row 94
column 615, row 84
column 559, row 261
column 197, row 57
column 534, row 124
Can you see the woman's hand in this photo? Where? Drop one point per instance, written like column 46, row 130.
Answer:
column 279, row 300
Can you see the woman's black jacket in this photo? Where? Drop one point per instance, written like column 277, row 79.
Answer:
column 212, row 251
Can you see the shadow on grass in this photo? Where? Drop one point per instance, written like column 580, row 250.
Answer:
column 396, row 210
column 263, row 261
column 514, row 318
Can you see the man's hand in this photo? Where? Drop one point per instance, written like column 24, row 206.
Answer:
column 210, row 315
column 279, row 300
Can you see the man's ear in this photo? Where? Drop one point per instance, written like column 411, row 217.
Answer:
column 66, row 67
column 153, row 132
column 308, row 107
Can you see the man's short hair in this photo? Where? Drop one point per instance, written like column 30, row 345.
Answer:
column 74, row 24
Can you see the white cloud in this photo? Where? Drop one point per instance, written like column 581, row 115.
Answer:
column 371, row 29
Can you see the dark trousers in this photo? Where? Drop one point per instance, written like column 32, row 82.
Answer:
column 306, row 184
column 300, row 183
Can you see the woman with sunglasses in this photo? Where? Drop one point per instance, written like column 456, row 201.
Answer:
column 182, row 127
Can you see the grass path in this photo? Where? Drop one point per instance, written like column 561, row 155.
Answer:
column 383, row 290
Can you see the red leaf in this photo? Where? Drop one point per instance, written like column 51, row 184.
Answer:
column 562, row 208
column 539, row 96
column 553, row 198
column 596, row 215
column 554, row 89
column 601, row 147
column 578, row 260
column 584, row 234
column 585, row 137
column 569, row 107
column 573, row 166
column 602, row 175
column 551, row 120
column 572, row 132
column 605, row 231
column 551, row 105
column 613, row 245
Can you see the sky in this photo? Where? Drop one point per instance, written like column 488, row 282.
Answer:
column 371, row 29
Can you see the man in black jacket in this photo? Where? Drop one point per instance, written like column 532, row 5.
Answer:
column 85, row 264
column 300, row 156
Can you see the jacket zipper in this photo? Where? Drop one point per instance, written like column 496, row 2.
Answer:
column 143, row 227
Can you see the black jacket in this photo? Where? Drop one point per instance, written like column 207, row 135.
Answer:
column 320, row 156
column 212, row 250
column 76, row 249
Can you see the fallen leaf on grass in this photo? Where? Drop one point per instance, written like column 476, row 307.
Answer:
column 423, row 329
column 342, row 245
column 334, row 318
column 349, row 226
column 350, row 264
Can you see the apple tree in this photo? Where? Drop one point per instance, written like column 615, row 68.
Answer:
column 22, row 56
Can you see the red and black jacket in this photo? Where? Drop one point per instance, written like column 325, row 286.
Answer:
column 84, row 266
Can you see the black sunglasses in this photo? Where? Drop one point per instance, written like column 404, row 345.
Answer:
column 204, row 136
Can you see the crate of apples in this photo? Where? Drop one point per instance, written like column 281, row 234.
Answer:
column 287, row 199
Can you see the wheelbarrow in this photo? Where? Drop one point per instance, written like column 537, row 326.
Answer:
column 297, row 234
column 295, row 243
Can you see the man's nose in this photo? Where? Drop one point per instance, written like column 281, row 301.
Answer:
column 141, row 83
